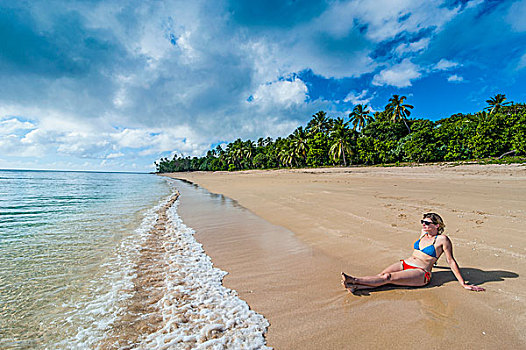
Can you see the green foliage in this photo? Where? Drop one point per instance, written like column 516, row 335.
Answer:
column 515, row 125
column 360, row 116
column 340, row 136
column 298, row 143
column 496, row 103
column 518, row 142
column 397, row 110
column 383, row 129
column 365, row 152
column 318, row 149
column 486, row 141
column 385, row 151
column 383, row 139
column 260, row 161
column 420, row 145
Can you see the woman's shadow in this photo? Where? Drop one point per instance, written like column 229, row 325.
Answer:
column 471, row 275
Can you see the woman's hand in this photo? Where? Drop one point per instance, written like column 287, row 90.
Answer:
column 474, row 288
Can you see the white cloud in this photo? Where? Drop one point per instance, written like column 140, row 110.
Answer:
column 413, row 47
column 182, row 141
column 455, row 78
column 342, row 24
column 95, row 145
column 522, row 62
column 8, row 126
column 358, row 98
column 474, row 3
column 399, row 75
column 516, row 16
column 444, row 64
column 308, row 47
column 284, row 94
column 115, row 155
column 382, row 17
column 132, row 138
column 12, row 145
column 189, row 54
column 81, row 144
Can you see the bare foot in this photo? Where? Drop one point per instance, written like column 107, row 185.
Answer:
column 348, row 281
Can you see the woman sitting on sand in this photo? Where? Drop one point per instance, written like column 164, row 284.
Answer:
column 416, row 270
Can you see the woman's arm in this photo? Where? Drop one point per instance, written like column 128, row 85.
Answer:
column 448, row 250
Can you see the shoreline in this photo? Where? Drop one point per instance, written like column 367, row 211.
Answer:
column 140, row 314
column 343, row 215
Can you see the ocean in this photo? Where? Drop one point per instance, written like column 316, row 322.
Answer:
column 103, row 260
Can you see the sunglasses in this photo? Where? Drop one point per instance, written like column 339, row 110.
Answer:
column 427, row 223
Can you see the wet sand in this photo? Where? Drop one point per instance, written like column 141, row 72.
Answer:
column 311, row 224
column 141, row 315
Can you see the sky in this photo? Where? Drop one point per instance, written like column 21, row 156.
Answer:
column 116, row 85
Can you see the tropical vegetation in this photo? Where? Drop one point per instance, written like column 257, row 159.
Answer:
column 388, row 136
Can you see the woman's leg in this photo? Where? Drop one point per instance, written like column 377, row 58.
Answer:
column 348, row 280
column 411, row 277
column 393, row 268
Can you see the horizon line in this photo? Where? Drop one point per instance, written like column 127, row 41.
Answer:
column 80, row 171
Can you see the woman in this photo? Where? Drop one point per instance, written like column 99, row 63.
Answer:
column 416, row 270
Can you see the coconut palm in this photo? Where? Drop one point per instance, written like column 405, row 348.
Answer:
column 341, row 137
column 479, row 117
column 229, row 155
column 319, row 123
column 496, row 102
column 229, row 158
column 298, row 142
column 219, row 150
column 287, row 156
column 235, row 153
column 398, row 110
column 248, row 149
column 360, row 116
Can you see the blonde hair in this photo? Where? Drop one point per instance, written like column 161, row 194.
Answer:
column 436, row 220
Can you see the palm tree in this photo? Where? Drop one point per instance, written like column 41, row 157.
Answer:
column 496, row 102
column 318, row 123
column 360, row 116
column 299, row 143
column 235, row 153
column 229, row 155
column 340, row 141
column 398, row 110
column 218, row 150
column 247, row 150
column 479, row 117
column 287, row 156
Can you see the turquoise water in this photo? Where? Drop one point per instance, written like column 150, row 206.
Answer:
column 67, row 242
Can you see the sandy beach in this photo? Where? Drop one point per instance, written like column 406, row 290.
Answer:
column 360, row 220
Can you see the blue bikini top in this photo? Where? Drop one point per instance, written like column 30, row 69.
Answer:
column 429, row 250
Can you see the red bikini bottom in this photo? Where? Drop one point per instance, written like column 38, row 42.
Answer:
column 427, row 274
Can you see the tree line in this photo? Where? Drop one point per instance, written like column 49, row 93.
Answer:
column 389, row 136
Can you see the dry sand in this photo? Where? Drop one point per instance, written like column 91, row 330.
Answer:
column 359, row 220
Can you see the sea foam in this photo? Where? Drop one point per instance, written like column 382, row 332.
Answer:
column 198, row 311
column 194, row 310
column 98, row 311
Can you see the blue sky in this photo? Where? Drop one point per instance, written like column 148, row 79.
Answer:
column 113, row 86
